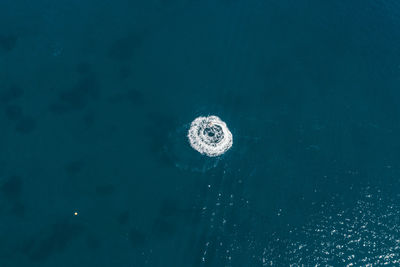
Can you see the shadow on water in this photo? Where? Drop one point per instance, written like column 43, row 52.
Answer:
column 89, row 119
column 11, row 94
column 137, row 238
column 25, row 124
column 77, row 98
column 133, row 97
column 11, row 190
column 13, row 112
column 163, row 228
column 92, row 241
column 105, row 190
column 124, row 49
column 74, row 167
column 8, row 41
column 123, row 218
column 54, row 239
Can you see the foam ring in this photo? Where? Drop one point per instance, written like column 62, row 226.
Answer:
column 210, row 136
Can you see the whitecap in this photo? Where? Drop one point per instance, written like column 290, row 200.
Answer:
column 210, row 136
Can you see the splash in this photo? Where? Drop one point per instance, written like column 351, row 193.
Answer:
column 210, row 136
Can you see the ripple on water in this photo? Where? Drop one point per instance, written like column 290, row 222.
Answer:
column 366, row 234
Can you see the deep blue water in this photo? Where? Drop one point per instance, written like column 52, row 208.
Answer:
column 95, row 97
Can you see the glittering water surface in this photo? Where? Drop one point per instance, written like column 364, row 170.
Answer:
column 364, row 234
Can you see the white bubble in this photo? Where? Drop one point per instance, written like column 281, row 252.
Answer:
column 210, row 136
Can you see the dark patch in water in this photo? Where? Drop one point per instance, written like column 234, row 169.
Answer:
column 105, row 190
column 25, row 125
column 17, row 208
column 123, row 217
column 12, row 188
column 92, row 241
column 11, row 191
column 74, row 167
column 11, row 94
column 13, row 112
column 84, row 69
column 163, row 228
column 89, row 119
column 54, row 240
column 136, row 238
column 133, row 96
column 78, row 97
column 125, row 71
column 169, row 207
column 124, row 49
column 8, row 42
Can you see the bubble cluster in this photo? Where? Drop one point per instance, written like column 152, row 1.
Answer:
column 210, row 136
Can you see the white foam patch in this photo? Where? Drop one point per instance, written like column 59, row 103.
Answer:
column 210, row 136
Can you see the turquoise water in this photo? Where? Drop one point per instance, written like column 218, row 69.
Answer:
column 96, row 98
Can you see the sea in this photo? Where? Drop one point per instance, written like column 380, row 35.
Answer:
column 96, row 98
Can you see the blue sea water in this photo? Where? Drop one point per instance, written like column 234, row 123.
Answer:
column 95, row 167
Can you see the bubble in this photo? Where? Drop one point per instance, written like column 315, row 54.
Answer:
column 210, row 136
